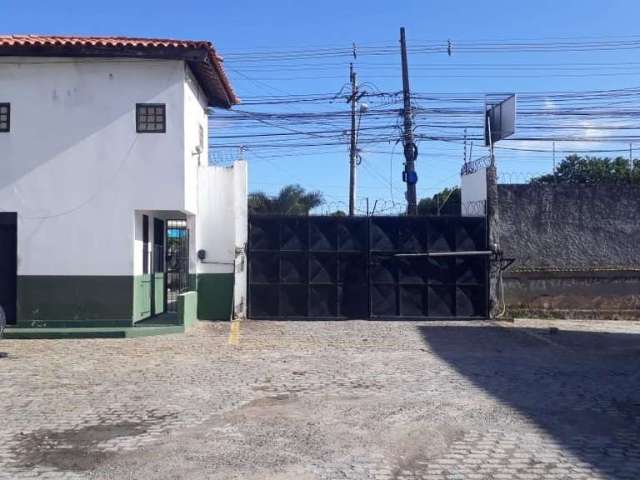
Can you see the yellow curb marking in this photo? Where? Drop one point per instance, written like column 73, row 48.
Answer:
column 234, row 333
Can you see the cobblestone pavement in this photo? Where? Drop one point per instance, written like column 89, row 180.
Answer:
column 327, row 400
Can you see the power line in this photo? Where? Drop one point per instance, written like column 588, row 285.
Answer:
column 466, row 46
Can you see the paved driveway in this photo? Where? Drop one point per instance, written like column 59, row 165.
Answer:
column 327, row 400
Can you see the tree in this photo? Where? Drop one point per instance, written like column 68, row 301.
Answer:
column 446, row 202
column 292, row 200
column 339, row 213
column 593, row 170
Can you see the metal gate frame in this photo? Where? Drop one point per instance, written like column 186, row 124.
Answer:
column 319, row 267
column 176, row 262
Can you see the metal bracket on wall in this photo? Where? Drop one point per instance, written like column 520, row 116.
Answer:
column 447, row 254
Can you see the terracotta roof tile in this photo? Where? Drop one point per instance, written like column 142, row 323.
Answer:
column 208, row 69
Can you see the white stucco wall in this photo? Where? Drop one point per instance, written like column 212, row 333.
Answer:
column 221, row 225
column 215, row 226
column 473, row 192
column 195, row 110
column 75, row 169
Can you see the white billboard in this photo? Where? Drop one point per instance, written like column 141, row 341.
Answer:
column 500, row 121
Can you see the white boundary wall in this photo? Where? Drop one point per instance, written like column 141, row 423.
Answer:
column 473, row 193
column 222, row 224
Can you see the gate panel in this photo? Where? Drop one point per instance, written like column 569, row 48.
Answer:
column 348, row 267
column 353, row 266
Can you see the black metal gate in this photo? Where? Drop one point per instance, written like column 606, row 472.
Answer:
column 354, row 267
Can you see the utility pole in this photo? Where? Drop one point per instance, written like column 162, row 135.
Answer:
column 465, row 146
column 410, row 149
column 555, row 176
column 353, row 148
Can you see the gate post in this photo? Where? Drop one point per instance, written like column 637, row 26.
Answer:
column 493, row 226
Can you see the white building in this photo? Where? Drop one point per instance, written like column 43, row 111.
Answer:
column 102, row 141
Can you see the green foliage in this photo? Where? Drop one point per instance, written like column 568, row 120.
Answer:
column 446, row 202
column 292, row 200
column 593, row 170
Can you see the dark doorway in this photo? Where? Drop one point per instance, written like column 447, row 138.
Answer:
column 158, row 283
column 146, row 283
column 8, row 264
column 177, row 258
column 145, row 244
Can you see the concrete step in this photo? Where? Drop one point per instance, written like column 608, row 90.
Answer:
column 90, row 332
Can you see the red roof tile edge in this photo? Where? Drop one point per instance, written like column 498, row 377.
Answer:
column 119, row 42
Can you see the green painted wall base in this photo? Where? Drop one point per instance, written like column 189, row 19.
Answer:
column 110, row 306
column 104, row 332
column 215, row 296
column 73, row 301
column 158, row 293
column 142, row 291
column 188, row 308
column 74, row 298
column 108, row 323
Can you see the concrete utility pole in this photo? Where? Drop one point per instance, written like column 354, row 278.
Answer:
column 410, row 149
column 555, row 174
column 493, row 223
column 465, row 146
column 353, row 148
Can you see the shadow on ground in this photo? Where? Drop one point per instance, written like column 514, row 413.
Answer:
column 582, row 388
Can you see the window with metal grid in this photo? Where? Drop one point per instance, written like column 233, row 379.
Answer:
column 5, row 117
column 151, row 118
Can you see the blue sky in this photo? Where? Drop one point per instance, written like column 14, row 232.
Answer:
column 241, row 27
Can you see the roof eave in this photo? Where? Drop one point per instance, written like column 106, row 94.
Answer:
column 216, row 61
column 197, row 58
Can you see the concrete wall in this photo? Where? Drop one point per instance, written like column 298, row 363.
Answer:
column 222, row 233
column 576, row 248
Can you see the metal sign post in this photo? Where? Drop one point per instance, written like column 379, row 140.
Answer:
column 499, row 123
column 500, row 120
